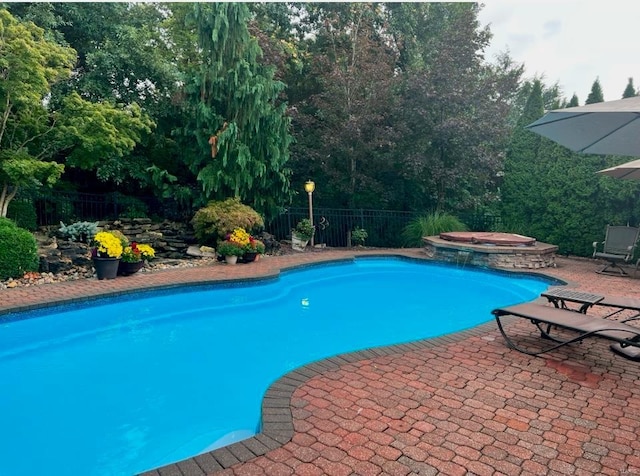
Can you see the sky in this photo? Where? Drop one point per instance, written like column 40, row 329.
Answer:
column 570, row 42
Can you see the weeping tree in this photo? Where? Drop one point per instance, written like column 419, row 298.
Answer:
column 235, row 134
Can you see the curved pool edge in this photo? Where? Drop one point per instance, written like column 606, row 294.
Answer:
column 85, row 290
column 277, row 419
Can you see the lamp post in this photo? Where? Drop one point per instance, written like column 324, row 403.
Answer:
column 309, row 187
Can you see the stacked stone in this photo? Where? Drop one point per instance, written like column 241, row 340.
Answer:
column 169, row 239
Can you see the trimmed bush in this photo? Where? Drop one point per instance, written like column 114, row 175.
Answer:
column 213, row 222
column 18, row 252
column 7, row 223
column 430, row 225
column 23, row 212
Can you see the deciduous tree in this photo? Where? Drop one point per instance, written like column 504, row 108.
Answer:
column 29, row 65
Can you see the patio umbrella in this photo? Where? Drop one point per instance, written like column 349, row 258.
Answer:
column 605, row 128
column 630, row 170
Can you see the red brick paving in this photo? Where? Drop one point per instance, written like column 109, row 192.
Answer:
column 455, row 405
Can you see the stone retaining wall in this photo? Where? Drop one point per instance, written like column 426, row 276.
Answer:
column 169, row 239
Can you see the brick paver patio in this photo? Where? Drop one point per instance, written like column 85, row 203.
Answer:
column 454, row 405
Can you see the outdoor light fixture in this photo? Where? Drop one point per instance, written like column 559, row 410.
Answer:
column 309, row 187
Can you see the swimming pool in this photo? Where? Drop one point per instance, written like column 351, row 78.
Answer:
column 133, row 384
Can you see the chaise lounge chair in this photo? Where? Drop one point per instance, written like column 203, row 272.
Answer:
column 618, row 247
column 625, row 336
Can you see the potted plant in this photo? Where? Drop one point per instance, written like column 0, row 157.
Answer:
column 106, row 252
column 230, row 250
column 358, row 235
column 253, row 249
column 301, row 234
column 134, row 257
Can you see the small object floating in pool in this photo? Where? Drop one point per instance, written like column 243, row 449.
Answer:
column 488, row 238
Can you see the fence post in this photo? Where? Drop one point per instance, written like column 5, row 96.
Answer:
column 115, row 206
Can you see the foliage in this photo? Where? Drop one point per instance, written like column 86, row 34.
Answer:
column 30, row 65
column 132, row 207
column 106, row 245
column 7, row 223
column 629, row 90
column 596, row 94
column 18, row 249
column 137, row 252
column 454, row 113
column 431, row 224
column 254, row 246
column 82, row 231
column 304, row 229
column 230, row 248
column 248, row 243
column 555, row 195
column 234, row 133
column 359, row 235
column 220, row 218
column 343, row 126
column 23, row 212
column 99, row 135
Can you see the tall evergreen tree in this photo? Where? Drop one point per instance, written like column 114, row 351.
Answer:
column 596, row 93
column 521, row 188
column 630, row 90
column 236, row 132
column 573, row 102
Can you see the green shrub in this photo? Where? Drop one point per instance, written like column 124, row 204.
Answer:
column 23, row 212
column 304, row 229
column 213, row 222
column 81, row 231
column 430, row 225
column 7, row 223
column 133, row 207
column 18, row 252
column 359, row 235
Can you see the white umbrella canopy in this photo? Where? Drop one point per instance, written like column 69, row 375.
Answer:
column 605, row 128
column 630, row 171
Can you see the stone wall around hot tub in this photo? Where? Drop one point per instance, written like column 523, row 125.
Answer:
column 538, row 256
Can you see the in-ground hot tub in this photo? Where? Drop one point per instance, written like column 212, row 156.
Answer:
column 493, row 250
column 488, row 238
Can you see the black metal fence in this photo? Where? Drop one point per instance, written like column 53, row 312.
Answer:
column 55, row 207
column 383, row 227
column 333, row 225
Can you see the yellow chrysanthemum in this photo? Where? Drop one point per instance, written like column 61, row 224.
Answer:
column 240, row 237
column 146, row 251
column 108, row 244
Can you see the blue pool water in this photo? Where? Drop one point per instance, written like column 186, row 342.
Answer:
column 126, row 385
